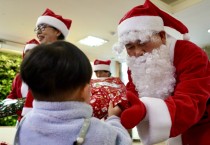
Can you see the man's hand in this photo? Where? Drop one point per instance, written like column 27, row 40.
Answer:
column 135, row 113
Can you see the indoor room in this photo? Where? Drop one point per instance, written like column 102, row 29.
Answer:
column 120, row 39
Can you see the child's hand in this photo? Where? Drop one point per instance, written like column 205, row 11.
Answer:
column 114, row 110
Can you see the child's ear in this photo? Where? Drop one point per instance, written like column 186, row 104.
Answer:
column 86, row 93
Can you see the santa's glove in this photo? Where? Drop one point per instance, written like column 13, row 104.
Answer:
column 131, row 116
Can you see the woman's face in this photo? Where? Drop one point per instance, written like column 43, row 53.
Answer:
column 47, row 34
column 102, row 73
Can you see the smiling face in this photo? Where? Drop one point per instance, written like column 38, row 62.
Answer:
column 47, row 34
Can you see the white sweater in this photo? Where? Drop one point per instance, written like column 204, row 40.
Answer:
column 59, row 123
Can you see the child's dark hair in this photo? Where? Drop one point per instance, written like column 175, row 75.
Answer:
column 53, row 69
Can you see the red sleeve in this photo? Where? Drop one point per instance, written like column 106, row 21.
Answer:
column 188, row 103
column 15, row 91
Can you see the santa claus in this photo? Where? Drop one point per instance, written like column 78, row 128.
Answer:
column 169, row 79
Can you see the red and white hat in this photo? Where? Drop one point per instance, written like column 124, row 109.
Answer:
column 57, row 21
column 148, row 17
column 101, row 65
column 30, row 45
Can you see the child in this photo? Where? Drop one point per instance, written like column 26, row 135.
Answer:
column 58, row 75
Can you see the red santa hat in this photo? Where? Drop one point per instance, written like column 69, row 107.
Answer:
column 101, row 65
column 57, row 21
column 30, row 45
column 148, row 17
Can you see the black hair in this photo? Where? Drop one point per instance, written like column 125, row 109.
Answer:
column 51, row 69
column 110, row 74
column 61, row 36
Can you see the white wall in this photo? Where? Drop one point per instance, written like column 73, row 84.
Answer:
column 7, row 134
column 11, row 47
column 123, row 73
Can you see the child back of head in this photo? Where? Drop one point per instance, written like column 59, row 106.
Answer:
column 54, row 70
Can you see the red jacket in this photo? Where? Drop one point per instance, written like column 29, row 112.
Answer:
column 184, row 117
column 19, row 90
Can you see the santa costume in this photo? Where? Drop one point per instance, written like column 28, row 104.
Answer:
column 106, row 89
column 101, row 65
column 175, row 106
column 58, row 22
column 19, row 88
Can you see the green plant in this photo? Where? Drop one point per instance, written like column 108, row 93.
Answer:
column 9, row 67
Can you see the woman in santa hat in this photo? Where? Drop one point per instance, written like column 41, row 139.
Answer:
column 102, row 68
column 50, row 27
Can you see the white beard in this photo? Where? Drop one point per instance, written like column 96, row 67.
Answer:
column 153, row 73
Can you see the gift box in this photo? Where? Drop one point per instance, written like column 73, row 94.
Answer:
column 104, row 90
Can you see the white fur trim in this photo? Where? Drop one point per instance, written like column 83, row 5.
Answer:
column 171, row 41
column 175, row 141
column 25, row 111
column 186, row 36
column 157, row 127
column 139, row 23
column 118, row 48
column 29, row 46
column 101, row 67
column 53, row 22
column 24, row 89
column 9, row 101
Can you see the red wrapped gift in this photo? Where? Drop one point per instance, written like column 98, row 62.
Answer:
column 102, row 91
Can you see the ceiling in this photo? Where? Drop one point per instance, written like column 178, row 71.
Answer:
column 97, row 18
